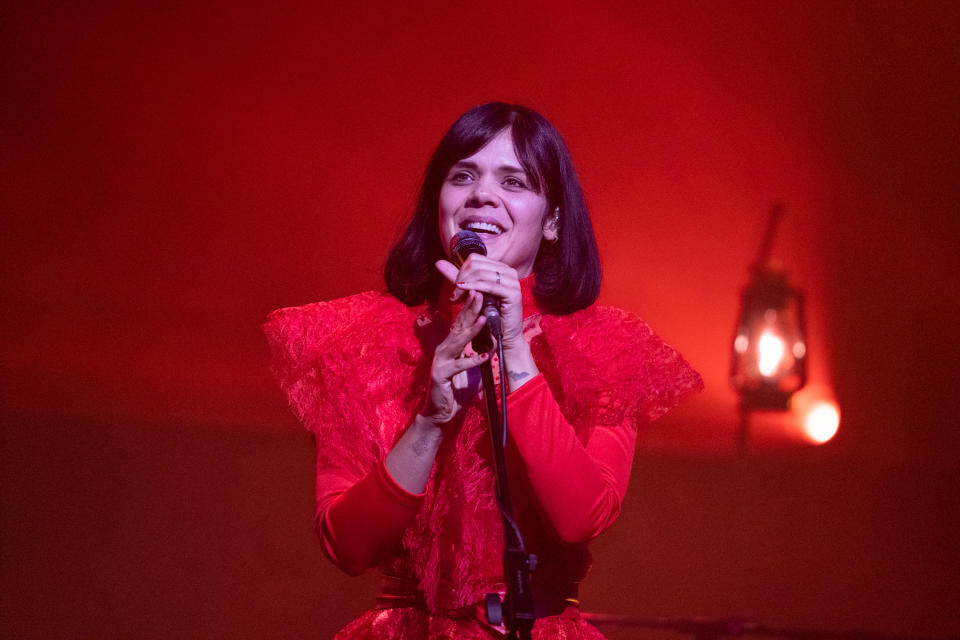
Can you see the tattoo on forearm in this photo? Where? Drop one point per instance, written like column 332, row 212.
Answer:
column 518, row 375
column 421, row 446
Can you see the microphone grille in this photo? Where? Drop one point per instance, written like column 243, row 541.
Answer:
column 465, row 243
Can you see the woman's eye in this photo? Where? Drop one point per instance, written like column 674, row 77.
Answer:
column 511, row 181
column 460, row 177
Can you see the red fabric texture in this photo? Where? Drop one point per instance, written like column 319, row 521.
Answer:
column 355, row 372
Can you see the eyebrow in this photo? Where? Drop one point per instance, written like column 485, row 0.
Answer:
column 504, row 168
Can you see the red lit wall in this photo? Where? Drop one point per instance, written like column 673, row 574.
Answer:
column 170, row 174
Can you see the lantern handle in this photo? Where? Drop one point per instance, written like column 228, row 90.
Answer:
column 763, row 256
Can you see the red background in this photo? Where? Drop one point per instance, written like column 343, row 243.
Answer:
column 170, row 174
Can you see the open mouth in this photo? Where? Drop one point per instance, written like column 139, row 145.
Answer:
column 485, row 228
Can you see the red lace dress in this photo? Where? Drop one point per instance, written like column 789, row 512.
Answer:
column 355, row 372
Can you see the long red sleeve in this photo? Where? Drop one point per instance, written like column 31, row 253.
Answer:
column 359, row 525
column 579, row 487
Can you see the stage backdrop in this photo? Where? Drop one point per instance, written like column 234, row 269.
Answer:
column 171, row 173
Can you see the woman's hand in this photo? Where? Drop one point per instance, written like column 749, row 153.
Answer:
column 443, row 401
column 483, row 274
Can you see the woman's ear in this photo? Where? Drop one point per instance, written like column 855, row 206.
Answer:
column 551, row 226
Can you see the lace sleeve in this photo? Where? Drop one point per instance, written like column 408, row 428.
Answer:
column 346, row 368
column 613, row 369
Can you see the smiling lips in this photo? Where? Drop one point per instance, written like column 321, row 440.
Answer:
column 484, row 225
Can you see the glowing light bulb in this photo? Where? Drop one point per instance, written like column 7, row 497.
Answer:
column 770, row 350
column 821, row 422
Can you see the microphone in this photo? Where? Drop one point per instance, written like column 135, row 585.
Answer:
column 462, row 245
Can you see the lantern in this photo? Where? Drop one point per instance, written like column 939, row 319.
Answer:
column 769, row 360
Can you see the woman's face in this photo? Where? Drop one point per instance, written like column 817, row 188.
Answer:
column 489, row 193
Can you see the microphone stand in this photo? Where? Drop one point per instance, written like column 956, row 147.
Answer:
column 516, row 609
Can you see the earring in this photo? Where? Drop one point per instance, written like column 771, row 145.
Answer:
column 556, row 226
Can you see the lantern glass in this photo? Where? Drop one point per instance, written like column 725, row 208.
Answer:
column 768, row 363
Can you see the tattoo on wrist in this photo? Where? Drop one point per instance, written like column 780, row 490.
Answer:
column 518, row 375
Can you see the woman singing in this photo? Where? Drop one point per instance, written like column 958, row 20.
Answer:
column 388, row 384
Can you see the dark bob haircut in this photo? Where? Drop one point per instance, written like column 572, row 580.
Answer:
column 567, row 272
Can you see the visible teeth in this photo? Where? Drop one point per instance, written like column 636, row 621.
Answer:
column 484, row 227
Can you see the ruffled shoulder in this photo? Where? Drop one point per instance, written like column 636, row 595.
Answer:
column 347, row 366
column 610, row 367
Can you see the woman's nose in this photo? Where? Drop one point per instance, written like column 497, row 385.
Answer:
column 482, row 194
